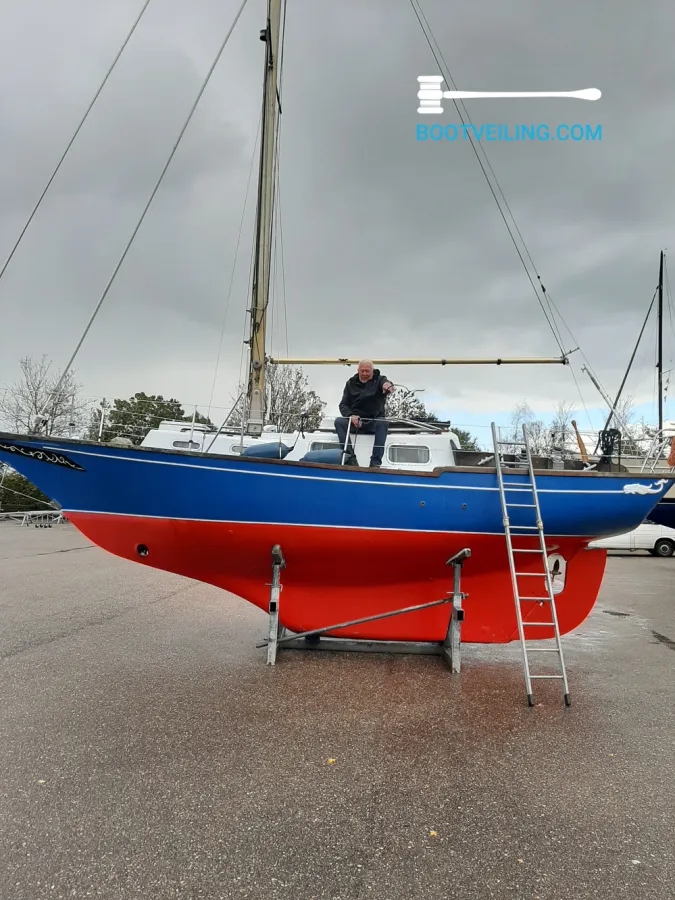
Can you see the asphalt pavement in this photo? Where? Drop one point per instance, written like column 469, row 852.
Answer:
column 147, row 751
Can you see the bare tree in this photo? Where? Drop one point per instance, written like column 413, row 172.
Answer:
column 35, row 394
column 633, row 435
column 562, row 434
column 624, row 413
column 288, row 400
column 539, row 435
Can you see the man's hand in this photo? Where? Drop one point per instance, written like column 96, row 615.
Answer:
column 388, row 387
column 356, row 422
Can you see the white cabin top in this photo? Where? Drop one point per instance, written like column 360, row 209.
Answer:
column 418, row 447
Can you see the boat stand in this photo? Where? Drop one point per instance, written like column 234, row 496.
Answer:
column 449, row 649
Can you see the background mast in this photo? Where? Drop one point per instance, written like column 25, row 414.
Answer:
column 659, row 363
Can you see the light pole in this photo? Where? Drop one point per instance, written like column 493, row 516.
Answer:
column 102, row 422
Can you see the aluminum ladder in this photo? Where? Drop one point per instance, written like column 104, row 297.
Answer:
column 531, row 502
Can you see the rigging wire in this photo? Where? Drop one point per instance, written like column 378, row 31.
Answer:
column 272, row 296
column 550, row 314
column 581, row 396
column 279, row 267
column 452, row 82
column 152, row 196
column 246, row 314
column 669, row 302
column 280, row 86
column 283, row 270
column 276, row 212
column 632, row 359
column 441, row 63
column 576, row 342
column 671, row 319
column 282, row 57
column 73, row 138
column 278, row 258
column 234, row 266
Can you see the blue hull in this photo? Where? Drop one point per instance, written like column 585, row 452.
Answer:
column 663, row 513
column 93, row 478
column 357, row 542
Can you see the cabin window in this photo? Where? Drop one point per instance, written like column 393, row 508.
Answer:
column 236, row 448
column 324, row 445
column 408, row 453
column 186, row 445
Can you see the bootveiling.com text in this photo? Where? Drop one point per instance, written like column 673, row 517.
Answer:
column 508, row 132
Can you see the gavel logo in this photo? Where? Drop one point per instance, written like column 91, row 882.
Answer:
column 430, row 94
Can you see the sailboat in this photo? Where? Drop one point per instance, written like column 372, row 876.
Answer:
column 655, row 452
column 664, row 511
column 357, row 542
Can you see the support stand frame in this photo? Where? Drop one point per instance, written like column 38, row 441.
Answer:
column 449, row 649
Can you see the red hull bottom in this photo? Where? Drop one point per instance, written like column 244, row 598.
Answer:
column 337, row 575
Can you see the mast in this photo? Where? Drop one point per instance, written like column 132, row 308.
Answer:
column 659, row 363
column 264, row 219
column 627, row 372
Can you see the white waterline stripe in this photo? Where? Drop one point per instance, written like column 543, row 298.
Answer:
column 336, row 479
column 93, row 512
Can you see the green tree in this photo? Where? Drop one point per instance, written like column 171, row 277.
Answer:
column 466, row 440
column 18, row 494
column 403, row 404
column 135, row 417
column 200, row 420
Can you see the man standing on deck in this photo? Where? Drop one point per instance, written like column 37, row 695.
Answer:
column 363, row 402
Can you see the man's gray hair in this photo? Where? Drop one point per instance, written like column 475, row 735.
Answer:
column 367, row 362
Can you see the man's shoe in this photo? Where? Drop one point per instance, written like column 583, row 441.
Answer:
column 351, row 461
column 375, row 463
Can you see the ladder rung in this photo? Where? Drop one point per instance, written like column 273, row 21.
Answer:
column 538, row 599
column 532, row 574
column 547, row 676
column 525, row 527
column 522, row 505
column 523, row 550
column 518, row 485
column 511, row 444
column 538, row 624
column 543, row 650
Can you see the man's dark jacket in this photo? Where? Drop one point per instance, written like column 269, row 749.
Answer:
column 364, row 399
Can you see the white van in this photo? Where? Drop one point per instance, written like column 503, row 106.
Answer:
column 655, row 539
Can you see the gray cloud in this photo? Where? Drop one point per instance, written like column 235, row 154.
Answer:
column 391, row 246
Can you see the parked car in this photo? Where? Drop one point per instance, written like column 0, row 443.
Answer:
column 659, row 540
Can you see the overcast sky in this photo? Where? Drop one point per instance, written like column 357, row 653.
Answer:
column 391, row 246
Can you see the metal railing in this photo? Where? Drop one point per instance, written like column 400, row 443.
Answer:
column 40, row 518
